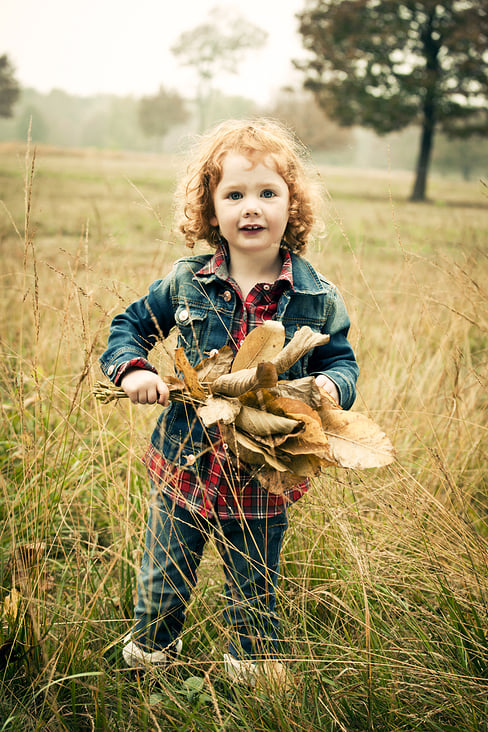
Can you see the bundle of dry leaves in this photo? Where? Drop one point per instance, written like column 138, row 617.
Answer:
column 283, row 430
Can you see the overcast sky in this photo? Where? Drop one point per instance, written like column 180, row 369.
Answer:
column 123, row 47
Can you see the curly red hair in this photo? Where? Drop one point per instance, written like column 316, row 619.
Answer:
column 258, row 140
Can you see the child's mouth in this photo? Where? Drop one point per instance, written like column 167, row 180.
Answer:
column 252, row 227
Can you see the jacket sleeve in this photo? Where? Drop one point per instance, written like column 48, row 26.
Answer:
column 135, row 332
column 336, row 359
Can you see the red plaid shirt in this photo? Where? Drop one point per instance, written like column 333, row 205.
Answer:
column 221, row 488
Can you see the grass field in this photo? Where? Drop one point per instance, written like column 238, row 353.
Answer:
column 384, row 593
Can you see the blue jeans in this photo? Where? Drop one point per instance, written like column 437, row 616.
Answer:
column 250, row 550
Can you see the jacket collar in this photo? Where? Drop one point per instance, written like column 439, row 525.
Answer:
column 303, row 277
column 217, row 266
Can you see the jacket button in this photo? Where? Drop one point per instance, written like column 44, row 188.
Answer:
column 183, row 316
column 110, row 370
column 190, row 459
column 227, row 296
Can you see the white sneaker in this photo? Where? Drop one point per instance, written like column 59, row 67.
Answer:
column 135, row 657
column 261, row 674
column 243, row 672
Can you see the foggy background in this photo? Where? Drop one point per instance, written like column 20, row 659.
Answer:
column 84, row 68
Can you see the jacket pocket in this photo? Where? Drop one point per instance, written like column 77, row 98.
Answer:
column 193, row 332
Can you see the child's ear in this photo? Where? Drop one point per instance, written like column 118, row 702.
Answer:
column 213, row 221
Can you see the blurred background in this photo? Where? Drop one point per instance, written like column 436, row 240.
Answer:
column 143, row 77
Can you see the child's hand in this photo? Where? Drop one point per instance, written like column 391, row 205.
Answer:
column 325, row 383
column 145, row 387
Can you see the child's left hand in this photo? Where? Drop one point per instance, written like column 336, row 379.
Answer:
column 325, row 383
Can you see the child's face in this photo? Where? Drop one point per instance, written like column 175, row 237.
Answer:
column 251, row 205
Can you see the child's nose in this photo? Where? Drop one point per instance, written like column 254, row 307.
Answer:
column 251, row 207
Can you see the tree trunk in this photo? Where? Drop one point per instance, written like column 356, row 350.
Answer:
column 423, row 161
column 431, row 47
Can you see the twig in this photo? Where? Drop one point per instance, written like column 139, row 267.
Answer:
column 106, row 393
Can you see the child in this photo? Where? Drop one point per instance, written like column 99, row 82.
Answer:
column 248, row 195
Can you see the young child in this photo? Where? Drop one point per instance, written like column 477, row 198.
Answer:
column 249, row 196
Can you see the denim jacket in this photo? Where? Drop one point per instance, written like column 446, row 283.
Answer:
column 201, row 304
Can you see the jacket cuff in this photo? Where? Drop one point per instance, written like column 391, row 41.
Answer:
column 134, row 363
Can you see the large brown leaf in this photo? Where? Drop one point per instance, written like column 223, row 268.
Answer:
column 258, row 422
column 215, row 365
column 303, row 341
column 250, row 452
column 275, row 482
column 305, row 389
column 262, row 376
column 355, row 441
column 189, row 374
column 219, row 410
column 261, row 344
column 306, row 466
column 311, row 439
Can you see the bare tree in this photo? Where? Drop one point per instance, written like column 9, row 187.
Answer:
column 215, row 47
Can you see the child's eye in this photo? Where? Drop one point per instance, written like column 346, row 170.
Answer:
column 268, row 193
column 235, row 195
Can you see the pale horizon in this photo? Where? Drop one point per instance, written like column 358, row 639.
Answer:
column 110, row 48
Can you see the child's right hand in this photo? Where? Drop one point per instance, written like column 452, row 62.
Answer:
column 145, row 387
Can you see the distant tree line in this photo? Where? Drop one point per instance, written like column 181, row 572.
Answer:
column 113, row 122
column 390, row 66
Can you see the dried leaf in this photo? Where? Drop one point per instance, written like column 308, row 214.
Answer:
column 302, row 446
column 272, row 442
column 261, row 344
column 234, row 384
column 219, row 410
column 303, row 341
column 240, row 382
column 306, row 466
column 189, row 374
column 293, row 408
column 215, row 365
column 275, row 482
column 174, row 384
column 253, row 457
column 327, row 401
column 355, row 441
column 246, row 449
column 311, row 439
column 266, row 375
column 305, row 389
column 256, row 398
column 258, row 422
column 12, row 604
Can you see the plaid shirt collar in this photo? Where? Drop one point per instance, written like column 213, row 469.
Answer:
column 218, row 266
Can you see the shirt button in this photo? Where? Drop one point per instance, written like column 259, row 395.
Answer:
column 265, row 287
column 183, row 316
column 190, row 459
column 110, row 370
column 227, row 296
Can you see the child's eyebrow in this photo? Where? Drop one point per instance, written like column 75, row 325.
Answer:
column 237, row 185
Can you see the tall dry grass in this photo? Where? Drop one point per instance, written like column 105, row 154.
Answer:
column 384, row 588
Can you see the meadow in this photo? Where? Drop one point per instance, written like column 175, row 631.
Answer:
column 384, row 587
